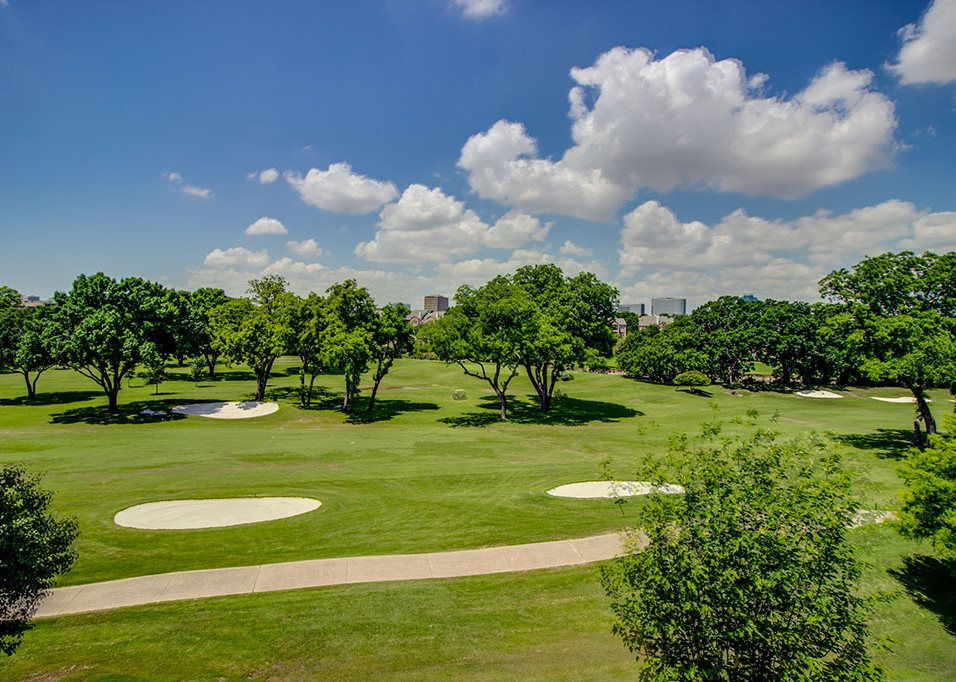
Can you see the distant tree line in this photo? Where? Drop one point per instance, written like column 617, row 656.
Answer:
column 890, row 319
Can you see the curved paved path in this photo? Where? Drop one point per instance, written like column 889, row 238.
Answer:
column 217, row 582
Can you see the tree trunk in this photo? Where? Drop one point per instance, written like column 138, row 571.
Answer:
column 917, row 434
column 211, row 364
column 922, row 407
column 113, row 397
column 503, row 402
column 371, row 398
column 347, row 400
column 261, row 381
column 31, row 387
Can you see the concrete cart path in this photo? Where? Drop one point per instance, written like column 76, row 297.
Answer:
column 292, row 575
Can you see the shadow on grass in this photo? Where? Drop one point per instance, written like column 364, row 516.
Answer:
column 929, row 581
column 129, row 413
column 564, row 412
column 386, row 409
column 57, row 398
column 699, row 392
column 889, row 443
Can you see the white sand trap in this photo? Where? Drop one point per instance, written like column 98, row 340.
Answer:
column 901, row 399
column 594, row 489
column 185, row 514
column 865, row 517
column 818, row 394
column 244, row 410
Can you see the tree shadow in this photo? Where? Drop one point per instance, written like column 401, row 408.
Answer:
column 129, row 413
column 929, row 581
column 699, row 392
column 889, row 443
column 387, row 409
column 564, row 412
column 57, row 398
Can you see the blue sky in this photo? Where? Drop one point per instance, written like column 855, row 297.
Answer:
column 706, row 148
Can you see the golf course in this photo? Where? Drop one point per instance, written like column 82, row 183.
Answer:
column 424, row 472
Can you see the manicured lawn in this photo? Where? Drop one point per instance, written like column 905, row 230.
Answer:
column 426, row 473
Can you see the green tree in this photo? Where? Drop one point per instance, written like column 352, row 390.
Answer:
column 154, row 366
column 785, row 338
column 929, row 504
column 569, row 324
column 347, row 339
column 901, row 305
column 483, row 333
column 100, row 327
column 304, row 326
column 392, row 337
column 660, row 353
column 729, row 336
column 253, row 330
column 749, row 575
column 23, row 348
column 201, row 302
column 35, row 547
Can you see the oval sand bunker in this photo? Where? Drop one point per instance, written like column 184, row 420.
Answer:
column 186, row 514
column 818, row 394
column 595, row 489
column 243, row 410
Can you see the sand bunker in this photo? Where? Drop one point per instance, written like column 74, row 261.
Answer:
column 901, row 399
column 595, row 489
column 818, row 394
column 243, row 410
column 184, row 514
column 865, row 517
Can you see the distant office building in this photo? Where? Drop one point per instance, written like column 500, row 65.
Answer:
column 645, row 321
column 668, row 306
column 436, row 302
column 619, row 326
column 636, row 308
column 749, row 297
column 31, row 301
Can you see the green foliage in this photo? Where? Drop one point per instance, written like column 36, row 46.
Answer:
column 35, row 547
column 200, row 335
column 660, row 353
column 459, row 394
column 393, row 337
column 197, row 371
column 23, row 348
column 929, row 504
column 483, row 333
column 347, row 339
column 692, row 378
column 154, row 366
column 304, row 321
column 568, row 324
column 749, row 574
column 100, row 327
column 253, row 330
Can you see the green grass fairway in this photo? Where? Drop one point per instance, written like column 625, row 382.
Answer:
column 425, row 473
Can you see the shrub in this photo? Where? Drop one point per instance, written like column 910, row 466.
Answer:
column 558, row 394
column 749, row 575
column 459, row 394
column 929, row 506
column 197, row 371
column 35, row 547
column 692, row 378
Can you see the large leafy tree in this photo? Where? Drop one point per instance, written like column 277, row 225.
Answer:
column 253, row 330
column 392, row 337
column 35, row 547
column 749, row 575
column 786, row 337
column 484, row 332
column 347, row 339
column 569, row 323
column 99, row 328
column 902, row 306
column 661, row 353
column 201, row 302
column 730, row 334
column 23, row 347
column 304, row 328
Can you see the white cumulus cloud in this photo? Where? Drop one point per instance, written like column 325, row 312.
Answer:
column 340, row 190
column 177, row 179
column 238, row 255
column 686, row 119
column 427, row 225
column 266, row 225
column 928, row 54
column 306, row 247
column 265, row 177
column 571, row 249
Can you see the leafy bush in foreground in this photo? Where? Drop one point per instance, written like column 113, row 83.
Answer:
column 748, row 575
